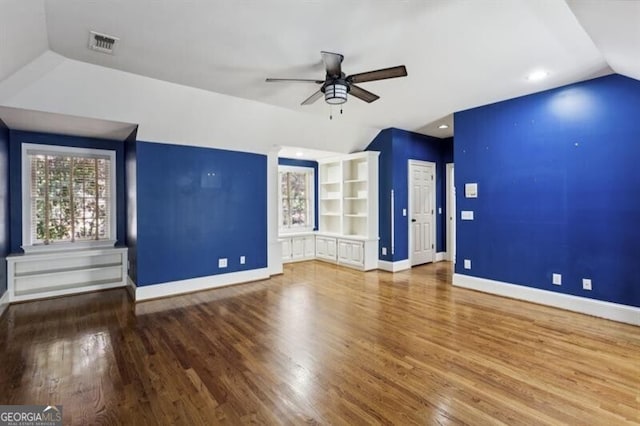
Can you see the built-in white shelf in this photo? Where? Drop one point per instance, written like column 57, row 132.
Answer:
column 348, row 223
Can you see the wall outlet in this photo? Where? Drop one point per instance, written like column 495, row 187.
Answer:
column 243, row 260
column 404, row 212
column 467, row 264
column 222, row 262
column 466, row 215
column 556, row 279
column 384, row 251
column 439, row 210
column 586, row 284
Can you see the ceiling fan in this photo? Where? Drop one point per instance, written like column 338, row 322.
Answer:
column 336, row 85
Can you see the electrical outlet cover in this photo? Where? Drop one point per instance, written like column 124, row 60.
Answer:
column 467, row 264
column 586, row 284
column 222, row 263
column 557, row 279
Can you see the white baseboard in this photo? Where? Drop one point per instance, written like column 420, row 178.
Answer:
column 4, row 302
column 440, row 256
column 400, row 265
column 584, row 305
column 196, row 284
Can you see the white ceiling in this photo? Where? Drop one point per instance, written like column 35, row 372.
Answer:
column 46, row 122
column 459, row 54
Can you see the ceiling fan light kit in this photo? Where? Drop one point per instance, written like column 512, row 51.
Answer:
column 336, row 86
column 335, row 93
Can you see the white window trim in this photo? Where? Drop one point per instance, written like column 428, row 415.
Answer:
column 312, row 194
column 26, row 200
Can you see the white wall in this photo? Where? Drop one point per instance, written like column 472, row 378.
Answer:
column 168, row 112
column 23, row 34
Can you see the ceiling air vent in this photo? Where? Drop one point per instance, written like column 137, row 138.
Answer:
column 102, row 42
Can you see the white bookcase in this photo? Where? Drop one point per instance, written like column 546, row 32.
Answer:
column 348, row 225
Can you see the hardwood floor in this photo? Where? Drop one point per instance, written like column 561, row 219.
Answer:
column 320, row 344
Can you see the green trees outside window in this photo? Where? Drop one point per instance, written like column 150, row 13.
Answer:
column 70, row 197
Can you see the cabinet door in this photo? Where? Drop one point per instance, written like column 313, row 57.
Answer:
column 286, row 249
column 326, row 248
column 297, row 248
column 321, row 247
column 351, row 252
column 357, row 254
column 309, row 247
column 331, row 248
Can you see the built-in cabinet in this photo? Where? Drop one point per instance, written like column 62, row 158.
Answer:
column 348, row 209
column 299, row 247
column 326, row 248
column 52, row 274
column 348, row 214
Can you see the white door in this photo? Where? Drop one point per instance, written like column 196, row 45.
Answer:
column 421, row 211
column 451, row 214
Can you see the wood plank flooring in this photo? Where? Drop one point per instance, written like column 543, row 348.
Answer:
column 321, row 344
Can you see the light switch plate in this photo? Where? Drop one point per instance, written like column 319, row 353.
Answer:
column 243, row 260
column 466, row 215
column 471, row 190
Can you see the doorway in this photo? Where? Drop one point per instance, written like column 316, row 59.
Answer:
column 451, row 213
column 422, row 201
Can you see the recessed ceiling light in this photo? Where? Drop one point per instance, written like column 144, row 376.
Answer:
column 537, row 75
column 299, row 154
column 443, row 126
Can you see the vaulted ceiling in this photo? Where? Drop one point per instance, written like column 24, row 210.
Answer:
column 459, row 54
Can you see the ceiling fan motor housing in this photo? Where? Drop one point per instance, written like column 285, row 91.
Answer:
column 335, row 91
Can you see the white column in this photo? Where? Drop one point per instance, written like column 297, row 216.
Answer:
column 274, row 247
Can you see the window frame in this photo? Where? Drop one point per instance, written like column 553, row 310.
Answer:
column 310, row 172
column 27, row 232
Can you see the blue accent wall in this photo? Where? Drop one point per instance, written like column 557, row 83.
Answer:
column 131, row 189
column 196, row 205
column 396, row 148
column 17, row 138
column 4, row 205
column 306, row 163
column 558, row 189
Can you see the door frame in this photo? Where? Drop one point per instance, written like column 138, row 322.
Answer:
column 451, row 212
column 409, row 205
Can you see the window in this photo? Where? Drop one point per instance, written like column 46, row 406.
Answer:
column 296, row 198
column 67, row 197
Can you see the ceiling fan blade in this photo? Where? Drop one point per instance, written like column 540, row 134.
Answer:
column 293, row 80
column 365, row 95
column 311, row 99
column 393, row 72
column 332, row 63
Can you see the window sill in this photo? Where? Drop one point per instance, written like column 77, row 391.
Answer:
column 58, row 247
